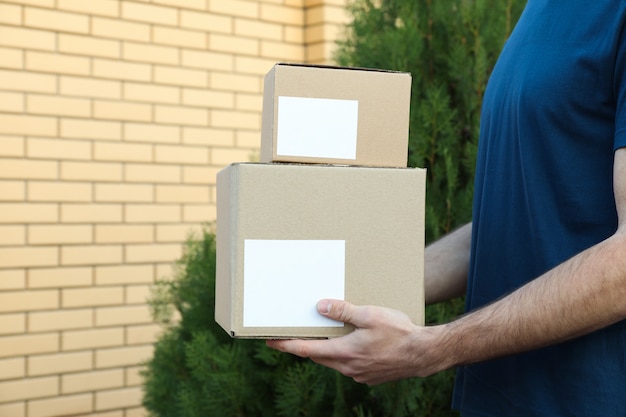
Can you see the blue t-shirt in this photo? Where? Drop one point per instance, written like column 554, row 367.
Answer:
column 553, row 114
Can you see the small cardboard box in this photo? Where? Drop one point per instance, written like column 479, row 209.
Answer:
column 289, row 235
column 335, row 115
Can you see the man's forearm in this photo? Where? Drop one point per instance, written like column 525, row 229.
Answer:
column 446, row 265
column 584, row 294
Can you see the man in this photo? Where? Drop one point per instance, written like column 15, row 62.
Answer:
column 544, row 259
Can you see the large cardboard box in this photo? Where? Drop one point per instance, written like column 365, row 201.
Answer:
column 335, row 115
column 289, row 235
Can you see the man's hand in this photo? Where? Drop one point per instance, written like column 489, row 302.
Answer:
column 385, row 346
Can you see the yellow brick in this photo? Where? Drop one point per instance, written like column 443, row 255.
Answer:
column 137, row 335
column 236, row 119
column 12, row 279
column 233, row 44
column 182, row 194
column 327, row 14
column 91, row 255
column 117, row 110
column 249, row 102
column 11, row 58
column 91, row 213
column 208, row 136
column 66, row 405
column 124, row 274
column 12, row 235
column 150, row 53
column 59, row 363
column 122, row 152
column 123, row 193
column 94, row 7
column 28, row 125
column 56, row 21
column 59, row 191
column 58, row 106
column 120, row 398
column 28, row 344
column 282, row 14
column 90, row 129
column 283, row 51
column 179, row 37
column 149, row 213
column 56, row 63
column 60, row 277
column 124, row 233
column 11, row 369
column 153, row 253
column 88, row 87
column 181, row 154
column 11, row 301
column 151, row 93
column 119, row 413
column 27, row 38
column 243, row 8
column 59, row 234
column 199, row 213
column 323, row 32
column 176, row 232
column 13, row 410
column 12, row 146
column 12, row 191
column 181, row 76
column 247, row 139
column 207, row 60
column 149, row 13
column 93, row 338
column 60, row 320
column 121, row 70
column 151, row 133
column 181, row 115
column 90, row 46
column 192, row 4
column 224, row 156
column 27, row 169
column 11, row 102
column 137, row 294
column 200, row 175
column 92, row 381
column 149, row 173
column 253, row 65
column 133, row 378
column 294, row 34
column 236, row 82
column 208, row 98
column 11, row 323
column 120, row 29
column 30, row 388
column 258, row 29
column 10, row 14
column 86, row 297
column 58, row 149
column 91, row 171
column 207, row 22
column 28, row 213
column 118, row 316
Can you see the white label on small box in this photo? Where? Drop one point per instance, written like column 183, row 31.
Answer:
column 317, row 127
column 284, row 280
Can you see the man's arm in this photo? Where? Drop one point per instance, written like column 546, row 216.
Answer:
column 581, row 295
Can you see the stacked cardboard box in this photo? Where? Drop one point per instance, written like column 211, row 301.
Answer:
column 331, row 211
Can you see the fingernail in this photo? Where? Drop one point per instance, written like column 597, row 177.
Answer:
column 324, row 307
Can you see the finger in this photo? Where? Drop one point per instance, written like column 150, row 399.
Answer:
column 305, row 348
column 343, row 311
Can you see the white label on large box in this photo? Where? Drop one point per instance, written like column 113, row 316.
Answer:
column 284, row 280
column 317, row 127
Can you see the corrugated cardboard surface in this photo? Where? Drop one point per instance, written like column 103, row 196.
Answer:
column 383, row 117
column 379, row 212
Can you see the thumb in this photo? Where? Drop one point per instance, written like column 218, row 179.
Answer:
column 340, row 310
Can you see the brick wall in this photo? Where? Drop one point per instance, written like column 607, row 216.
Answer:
column 115, row 116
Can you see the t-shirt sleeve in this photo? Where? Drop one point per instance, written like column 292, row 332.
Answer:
column 620, row 92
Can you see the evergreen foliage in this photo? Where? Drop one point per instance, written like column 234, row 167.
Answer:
column 198, row 370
